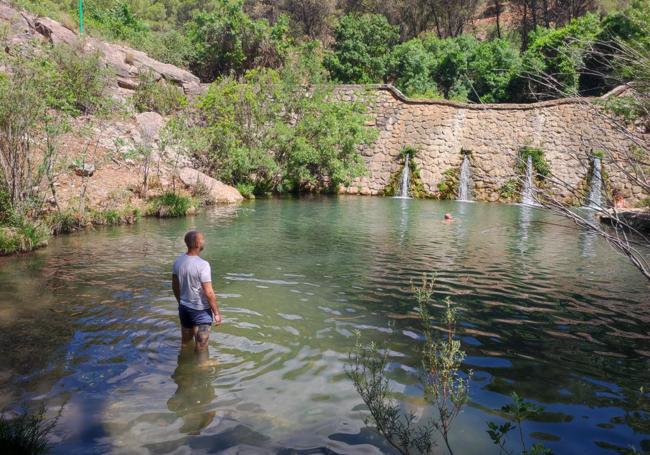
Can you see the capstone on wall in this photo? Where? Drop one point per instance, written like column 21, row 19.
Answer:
column 568, row 131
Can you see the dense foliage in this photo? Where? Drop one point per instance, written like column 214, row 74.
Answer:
column 272, row 134
column 361, row 49
column 549, row 53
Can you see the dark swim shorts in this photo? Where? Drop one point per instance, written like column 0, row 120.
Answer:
column 191, row 317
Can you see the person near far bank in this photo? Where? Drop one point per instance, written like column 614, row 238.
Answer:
column 192, row 286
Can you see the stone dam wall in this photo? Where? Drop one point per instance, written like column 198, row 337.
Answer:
column 568, row 131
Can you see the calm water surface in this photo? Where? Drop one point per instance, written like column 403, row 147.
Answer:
column 547, row 311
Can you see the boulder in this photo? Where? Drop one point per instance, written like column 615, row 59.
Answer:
column 54, row 32
column 149, row 124
column 218, row 192
column 85, row 170
column 126, row 63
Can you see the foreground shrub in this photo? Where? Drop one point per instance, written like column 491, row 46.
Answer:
column 170, row 204
column 446, row 389
column 26, row 434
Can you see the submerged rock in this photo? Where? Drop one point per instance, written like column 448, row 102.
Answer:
column 214, row 190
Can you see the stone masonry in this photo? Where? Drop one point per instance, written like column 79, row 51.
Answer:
column 567, row 130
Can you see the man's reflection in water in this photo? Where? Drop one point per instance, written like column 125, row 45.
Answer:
column 193, row 376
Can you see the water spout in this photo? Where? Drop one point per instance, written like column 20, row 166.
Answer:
column 595, row 192
column 529, row 185
column 406, row 173
column 464, row 186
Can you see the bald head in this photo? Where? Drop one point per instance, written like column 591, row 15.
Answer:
column 194, row 240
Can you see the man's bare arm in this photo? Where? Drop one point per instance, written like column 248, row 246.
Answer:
column 176, row 287
column 212, row 299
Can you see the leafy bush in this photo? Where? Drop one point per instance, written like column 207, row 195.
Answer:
column 448, row 188
column 516, row 413
column 66, row 221
column 227, row 41
column 362, row 48
column 277, row 135
column 22, row 236
column 555, row 58
column 509, row 190
column 169, row 205
column 540, row 165
column 411, row 69
column 247, row 190
column 158, row 96
column 461, row 68
column 78, row 79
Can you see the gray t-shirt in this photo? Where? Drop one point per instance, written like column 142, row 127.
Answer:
column 191, row 272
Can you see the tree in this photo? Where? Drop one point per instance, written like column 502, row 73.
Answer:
column 361, row 49
column 451, row 16
column 411, row 69
column 311, row 18
column 228, row 42
column 555, row 58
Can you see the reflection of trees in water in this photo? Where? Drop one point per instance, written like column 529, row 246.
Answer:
column 195, row 392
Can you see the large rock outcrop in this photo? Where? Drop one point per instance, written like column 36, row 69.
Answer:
column 217, row 192
column 127, row 63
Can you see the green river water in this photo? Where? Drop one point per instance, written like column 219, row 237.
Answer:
column 547, row 311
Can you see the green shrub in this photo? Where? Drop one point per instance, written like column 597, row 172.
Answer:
column 555, row 58
column 448, row 188
column 158, row 96
column 227, row 41
column 509, row 190
column 411, row 69
column 78, row 79
column 247, row 190
column 269, row 132
column 114, row 217
column 644, row 203
column 26, row 434
column 169, row 205
column 362, row 48
column 66, row 221
column 23, row 236
column 540, row 165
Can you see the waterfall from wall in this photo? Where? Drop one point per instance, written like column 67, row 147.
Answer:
column 465, row 183
column 406, row 173
column 596, row 185
column 527, row 195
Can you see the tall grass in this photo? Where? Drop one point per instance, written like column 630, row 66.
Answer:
column 25, row 235
column 170, row 204
column 26, row 434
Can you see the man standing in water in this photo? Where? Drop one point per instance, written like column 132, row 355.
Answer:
column 192, row 285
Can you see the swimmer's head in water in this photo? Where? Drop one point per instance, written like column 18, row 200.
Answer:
column 448, row 216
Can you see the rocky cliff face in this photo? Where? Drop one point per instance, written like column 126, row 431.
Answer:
column 127, row 64
column 112, row 147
